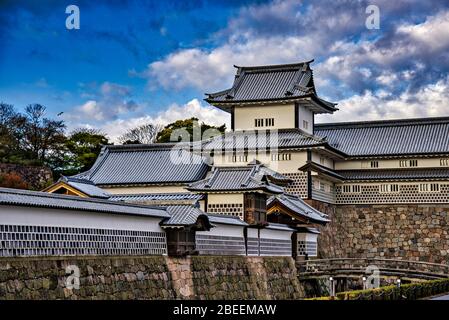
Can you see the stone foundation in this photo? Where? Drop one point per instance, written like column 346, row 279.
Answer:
column 151, row 277
column 409, row 232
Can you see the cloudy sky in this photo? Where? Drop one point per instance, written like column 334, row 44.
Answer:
column 134, row 62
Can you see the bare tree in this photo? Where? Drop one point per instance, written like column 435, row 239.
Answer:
column 144, row 134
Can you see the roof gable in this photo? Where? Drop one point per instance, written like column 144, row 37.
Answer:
column 146, row 164
column 297, row 208
column 247, row 178
column 80, row 187
column 272, row 82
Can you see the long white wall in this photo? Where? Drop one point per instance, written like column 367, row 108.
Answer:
column 26, row 216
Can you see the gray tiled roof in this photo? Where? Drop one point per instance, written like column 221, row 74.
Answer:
column 297, row 205
column 182, row 215
column 274, row 175
column 312, row 166
column 263, row 139
column 279, row 226
column 160, row 198
column 87, row 187
column 145, row 164
column 275, row 82
column 396, row 174
column 57, row 201
column 225, row 219
column 236, row 179
column 389, row 137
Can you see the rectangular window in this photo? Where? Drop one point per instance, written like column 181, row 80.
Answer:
column 267, row 122
column 305, row 124
column 352, row 188
column 403, row 163
column 322, row 186
column 281, row 156
column 408, row 163
column 239, row 158
column 384, row 188
column 429, row 187
column 434, row 187
column 444, row 162
column 394, row 188
column 389, row 188
column 374, row 164
column 258, row 122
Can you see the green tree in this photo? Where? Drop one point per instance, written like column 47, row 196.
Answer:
column 173, row 132
column 83, row 146
column 41, row 138
column 7, row 140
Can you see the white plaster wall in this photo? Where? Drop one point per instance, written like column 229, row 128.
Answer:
column 252, row 233
column 275, row 234
column 328, row 162
column 283, row 114
column 386, row 163
column 307, row 115
column 223, row 230
column 224, row 198
column 15, row 215
column 312, row 237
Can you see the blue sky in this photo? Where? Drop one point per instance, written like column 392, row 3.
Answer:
column 133, row 62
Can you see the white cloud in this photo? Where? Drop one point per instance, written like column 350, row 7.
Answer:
column 291, row 31
column 193, row 108
column 433, row 33
column 106, row 102
column 382, row 71
column 213, row 69
column 429, row 101
column 91, row 110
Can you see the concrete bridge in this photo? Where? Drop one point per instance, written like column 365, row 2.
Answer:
column 357, row 267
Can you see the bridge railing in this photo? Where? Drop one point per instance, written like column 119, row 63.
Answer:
column 359, row 265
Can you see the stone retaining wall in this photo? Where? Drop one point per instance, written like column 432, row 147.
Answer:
column 409, row 232
column 150, row 277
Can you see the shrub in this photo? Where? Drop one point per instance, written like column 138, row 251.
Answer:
column 411, row 291
column 320, row 298
column 12, row 180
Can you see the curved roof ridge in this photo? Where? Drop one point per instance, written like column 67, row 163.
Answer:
column 276, row 66
column 152, row 146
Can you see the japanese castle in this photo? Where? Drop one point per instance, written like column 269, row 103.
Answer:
column 268, row 187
